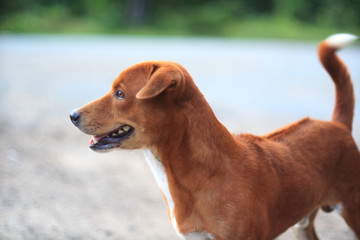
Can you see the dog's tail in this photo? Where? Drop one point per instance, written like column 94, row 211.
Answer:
column 344, row 103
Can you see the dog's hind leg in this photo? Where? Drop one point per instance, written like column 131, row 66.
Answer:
column 351, row 212
column 348, row 189
column 305, row 229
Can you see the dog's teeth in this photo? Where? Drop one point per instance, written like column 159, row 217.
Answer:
column 113, row 135
column 120, row 131
column 126, row 128
column 94, row 140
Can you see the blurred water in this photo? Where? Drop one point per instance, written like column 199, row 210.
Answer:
column 253, row 85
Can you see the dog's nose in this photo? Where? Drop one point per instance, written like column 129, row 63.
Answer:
column 75, row 117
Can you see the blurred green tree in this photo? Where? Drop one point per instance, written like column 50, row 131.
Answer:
column 188, row 16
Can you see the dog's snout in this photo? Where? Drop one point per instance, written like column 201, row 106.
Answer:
column 75, row 117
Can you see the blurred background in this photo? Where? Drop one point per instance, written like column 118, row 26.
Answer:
column 255, row 62
column 300, row 19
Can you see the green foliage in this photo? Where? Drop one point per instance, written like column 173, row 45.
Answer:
column 50, row 19
column 235, row 18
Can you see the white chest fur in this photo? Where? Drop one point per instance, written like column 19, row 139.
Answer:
column 161, row 179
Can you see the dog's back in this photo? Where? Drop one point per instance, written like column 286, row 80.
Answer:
column 323, row 152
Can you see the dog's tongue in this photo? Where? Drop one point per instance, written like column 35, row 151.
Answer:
column 95, row 139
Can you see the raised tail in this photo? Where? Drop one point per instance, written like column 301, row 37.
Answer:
column 344, row 103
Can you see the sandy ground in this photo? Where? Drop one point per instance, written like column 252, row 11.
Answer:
column 53, row 187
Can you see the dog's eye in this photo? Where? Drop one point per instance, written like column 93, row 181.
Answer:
column 120, row 95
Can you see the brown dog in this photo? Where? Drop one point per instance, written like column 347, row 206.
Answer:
column 223, row 186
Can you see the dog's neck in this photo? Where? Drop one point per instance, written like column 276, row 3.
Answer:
column 196, row 139
column 196, row 150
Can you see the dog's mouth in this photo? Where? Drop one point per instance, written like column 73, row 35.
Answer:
column 111, row 139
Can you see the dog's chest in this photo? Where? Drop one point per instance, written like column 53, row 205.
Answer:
column 161, row 179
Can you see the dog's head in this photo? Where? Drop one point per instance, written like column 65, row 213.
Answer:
column 137, row 110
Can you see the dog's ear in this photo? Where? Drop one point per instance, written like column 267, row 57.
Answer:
column 164, row 78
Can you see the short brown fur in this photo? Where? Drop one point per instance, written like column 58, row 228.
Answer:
column 235, row 186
